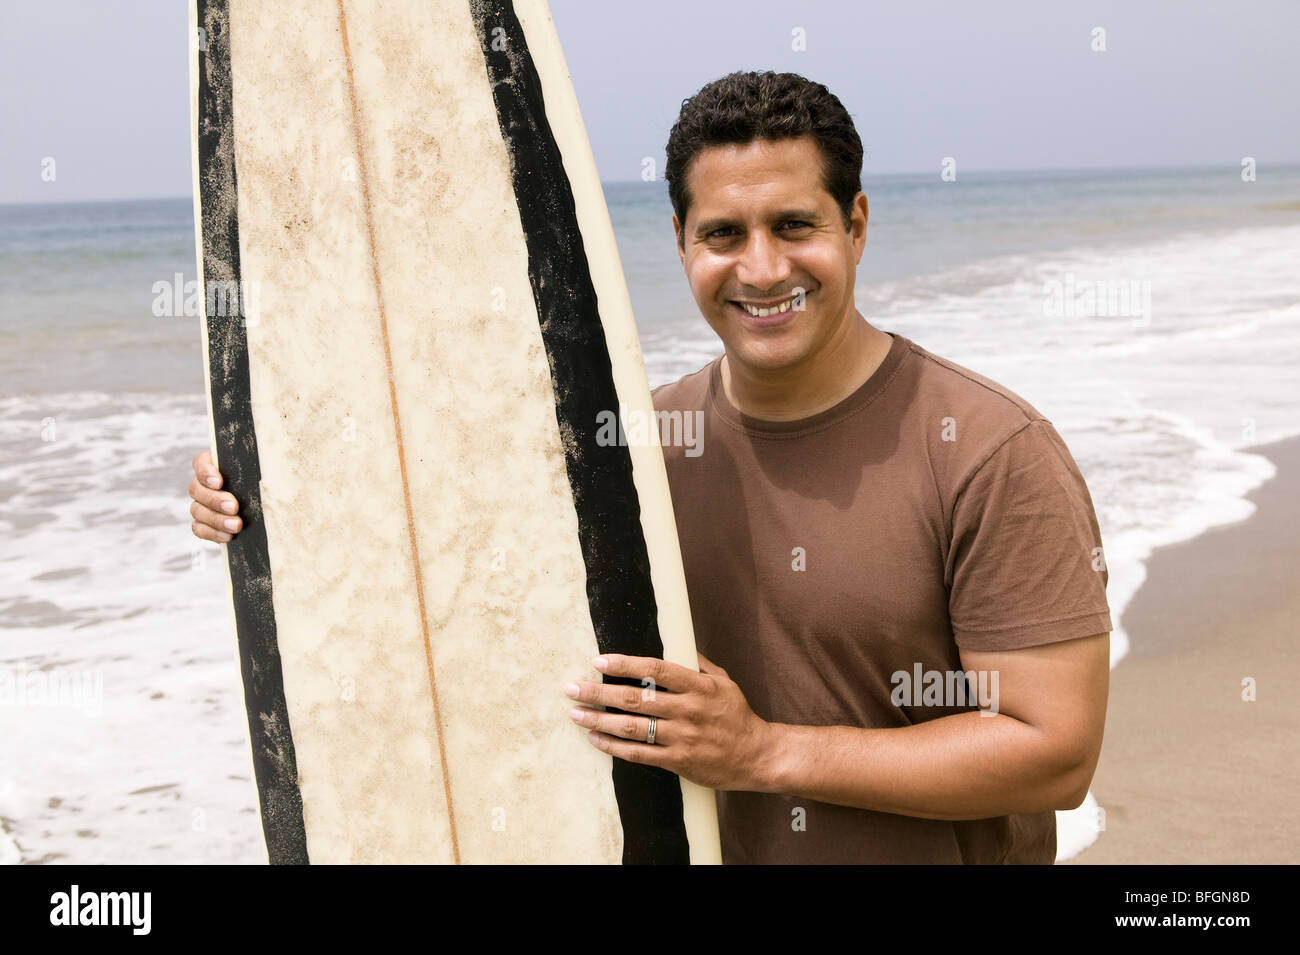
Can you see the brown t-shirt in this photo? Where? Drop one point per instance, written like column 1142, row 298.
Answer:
column 931, row 509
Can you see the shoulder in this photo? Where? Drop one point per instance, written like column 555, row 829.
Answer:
column 688, row 393
column 967, row 415
column 1022, row 563
column 974, row 425
column 981, row 399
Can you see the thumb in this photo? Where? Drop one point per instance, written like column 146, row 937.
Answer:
column 708, row 666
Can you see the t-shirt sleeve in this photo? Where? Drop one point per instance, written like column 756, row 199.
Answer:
column 1025, row 563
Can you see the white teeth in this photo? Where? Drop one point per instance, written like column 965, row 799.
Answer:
column 764, row 312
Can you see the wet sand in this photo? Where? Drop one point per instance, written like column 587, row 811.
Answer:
column 1190, row 772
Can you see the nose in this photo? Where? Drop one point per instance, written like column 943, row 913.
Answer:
column 761, row 265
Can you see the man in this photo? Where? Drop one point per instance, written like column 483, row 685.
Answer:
column 893, row 562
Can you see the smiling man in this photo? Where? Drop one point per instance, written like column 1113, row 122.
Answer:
column 893, row 563
column 870, row 530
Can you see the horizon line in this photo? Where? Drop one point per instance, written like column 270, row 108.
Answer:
column 1200, row 167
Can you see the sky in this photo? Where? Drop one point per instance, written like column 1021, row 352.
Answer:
column 102, row 88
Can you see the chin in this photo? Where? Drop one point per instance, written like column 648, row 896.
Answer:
column 765, row 356
column 768, row 350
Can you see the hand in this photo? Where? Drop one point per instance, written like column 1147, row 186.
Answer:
column 212, row 509
column 706, row 731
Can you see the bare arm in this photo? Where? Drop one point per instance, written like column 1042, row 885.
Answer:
column 1039, row 752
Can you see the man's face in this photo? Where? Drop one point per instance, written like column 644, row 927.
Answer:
column 760, row 227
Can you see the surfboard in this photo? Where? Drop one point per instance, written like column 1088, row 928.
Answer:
column 415, row 318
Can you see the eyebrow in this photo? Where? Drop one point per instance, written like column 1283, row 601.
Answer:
column 720, row 222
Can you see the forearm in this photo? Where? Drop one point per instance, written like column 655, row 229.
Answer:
column 964, row 766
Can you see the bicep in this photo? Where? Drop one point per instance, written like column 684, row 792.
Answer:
column 1059, row 689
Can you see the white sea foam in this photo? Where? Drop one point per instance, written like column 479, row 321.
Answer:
column 100, row 578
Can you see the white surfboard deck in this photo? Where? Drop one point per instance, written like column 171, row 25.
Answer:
column 433, row 543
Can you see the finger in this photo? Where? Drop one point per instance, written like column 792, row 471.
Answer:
column 631, row 752
column 222, row 501
column 218, row 522
column 708, row 666
column 649, row 700
column 664, row 675
column 622, row 725
column 204, row 532
column 205, row 470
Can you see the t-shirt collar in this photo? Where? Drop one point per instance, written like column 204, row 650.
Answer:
column 859, row 399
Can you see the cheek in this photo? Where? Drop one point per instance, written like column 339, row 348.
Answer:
column 705, row 279
column 823, row 267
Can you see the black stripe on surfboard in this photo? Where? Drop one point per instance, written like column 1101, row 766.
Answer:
column 620, row 593
column 274, row 763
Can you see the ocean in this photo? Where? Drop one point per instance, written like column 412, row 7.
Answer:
column 1152, row 315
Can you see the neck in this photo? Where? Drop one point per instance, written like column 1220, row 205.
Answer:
column 822, row 381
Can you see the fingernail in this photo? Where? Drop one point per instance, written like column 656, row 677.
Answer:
column 600, row 663
column 232, row 524
column 571, row 690
column 212, row 481
column 576, row 715
column 228, row 506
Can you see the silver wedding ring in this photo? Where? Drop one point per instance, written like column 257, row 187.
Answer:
column 654, row 725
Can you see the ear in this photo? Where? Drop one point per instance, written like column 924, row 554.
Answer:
column 858, row 224
column 677, row 234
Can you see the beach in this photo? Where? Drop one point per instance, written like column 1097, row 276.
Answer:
column 1189, row 771
column 123, row 735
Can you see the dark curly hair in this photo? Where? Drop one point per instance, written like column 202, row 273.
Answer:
column 742, row 107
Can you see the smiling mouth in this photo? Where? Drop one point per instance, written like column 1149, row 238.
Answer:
column 768, row 313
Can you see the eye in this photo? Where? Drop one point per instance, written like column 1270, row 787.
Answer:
column 717, row 233
column 798, row 224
